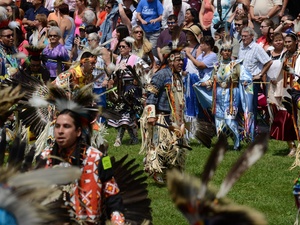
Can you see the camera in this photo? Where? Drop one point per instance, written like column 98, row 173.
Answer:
column 218, row 25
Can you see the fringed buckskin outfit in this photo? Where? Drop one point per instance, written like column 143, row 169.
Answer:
column 163, row 143
column 86, row 195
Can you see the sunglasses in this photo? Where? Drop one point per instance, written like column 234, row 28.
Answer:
column 238, row 24
column 170, row 23
column 8, row 35
column 51, row 36
column 138, row 31
column 122, row 46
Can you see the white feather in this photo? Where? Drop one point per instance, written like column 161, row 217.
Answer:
column 129, row 39
column 37, row 101
column 20, row 55
column 62, row 104
column 14, row 25
column 35, row 38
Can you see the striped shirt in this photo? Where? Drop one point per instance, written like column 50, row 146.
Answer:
column 254, row 57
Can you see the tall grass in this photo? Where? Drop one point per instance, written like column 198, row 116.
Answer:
column 267, row 186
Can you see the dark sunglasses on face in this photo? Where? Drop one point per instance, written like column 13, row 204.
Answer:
column 238, row 24
column 170, row 23
column 122, row 46
column 138, row 31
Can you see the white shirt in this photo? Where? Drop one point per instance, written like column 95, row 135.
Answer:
column 168, row 10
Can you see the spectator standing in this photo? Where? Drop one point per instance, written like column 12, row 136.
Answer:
column 9, row 63
column 222, row 12
column 149, row 13
column 286, row 25
column 206, row 60
column 67, row 27
column 264, row 27
column 281, row 120
column 166, row 36
column 177, row 8
column 191, row 18
column 55, row 53
column 110, row 22
column 240, row 22
column 81, row 6
column 257, row 62
column 41, row 29
column 206, row 14
column 31, row 13
column 100, row 76
column 264, row 9
column 55, row 15
column 120, row 33
column 50, row 5
column 142, row 47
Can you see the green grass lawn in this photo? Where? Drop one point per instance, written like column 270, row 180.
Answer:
column 267, row 186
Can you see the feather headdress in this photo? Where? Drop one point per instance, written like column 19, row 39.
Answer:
column 201, row 205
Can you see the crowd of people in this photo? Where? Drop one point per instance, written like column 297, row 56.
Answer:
column 163, row 67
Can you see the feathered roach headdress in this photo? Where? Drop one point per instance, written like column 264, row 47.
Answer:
column 201, row 205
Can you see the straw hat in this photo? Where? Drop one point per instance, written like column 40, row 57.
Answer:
column 195, row 29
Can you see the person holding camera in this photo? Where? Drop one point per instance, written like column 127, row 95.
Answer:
column 223, row 11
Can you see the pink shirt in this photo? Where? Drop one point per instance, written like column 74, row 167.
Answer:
column 208, row 13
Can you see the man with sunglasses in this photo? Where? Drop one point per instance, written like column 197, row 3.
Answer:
column 165, row 36
column 176, row 7
column 240, row 22
column 162, row 122
column 8, row 62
